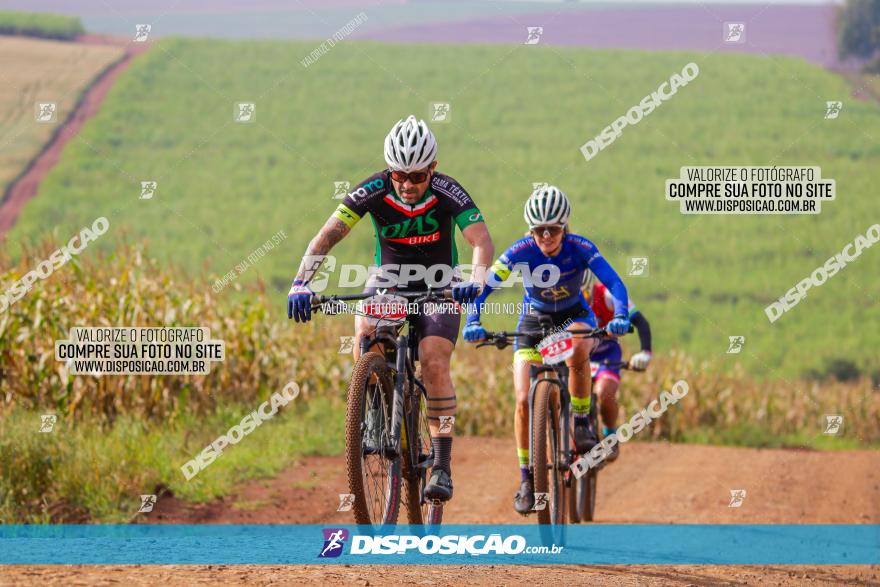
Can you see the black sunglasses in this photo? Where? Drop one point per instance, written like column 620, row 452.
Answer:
column 413, row 176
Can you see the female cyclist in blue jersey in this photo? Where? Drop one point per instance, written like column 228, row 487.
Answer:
column 549, row 242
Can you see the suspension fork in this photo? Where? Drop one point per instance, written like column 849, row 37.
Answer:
column 564, row 413
column 404, row 371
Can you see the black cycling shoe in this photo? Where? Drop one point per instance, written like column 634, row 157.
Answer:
column 584, row 437
column 524, row 500
column 439, row 486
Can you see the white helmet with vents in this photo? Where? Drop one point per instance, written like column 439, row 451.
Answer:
column 547, row 205
column 410, row 145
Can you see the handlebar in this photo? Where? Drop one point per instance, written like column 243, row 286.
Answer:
column 503, row 339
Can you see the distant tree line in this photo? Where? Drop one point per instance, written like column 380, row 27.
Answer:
column 859, row 32
column 44, row 26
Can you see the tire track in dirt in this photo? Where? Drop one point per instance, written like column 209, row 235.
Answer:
column 25, row 187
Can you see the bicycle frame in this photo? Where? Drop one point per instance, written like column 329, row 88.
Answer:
column 405, row 354
column 561, row 382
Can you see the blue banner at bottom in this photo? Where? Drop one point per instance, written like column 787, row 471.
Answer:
column 453, row 544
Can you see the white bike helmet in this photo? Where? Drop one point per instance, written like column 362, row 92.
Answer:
column 547, row 205
column 410, row 145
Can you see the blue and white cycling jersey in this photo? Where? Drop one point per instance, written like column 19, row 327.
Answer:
column 577, row 256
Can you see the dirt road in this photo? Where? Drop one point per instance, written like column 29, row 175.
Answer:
column 26, row 186
column 651, row 483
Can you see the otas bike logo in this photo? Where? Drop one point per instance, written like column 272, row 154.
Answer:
column 334, row 540
column 413, row 231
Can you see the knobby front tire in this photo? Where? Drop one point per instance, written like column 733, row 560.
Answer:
column 374, row 479
column 549, row 478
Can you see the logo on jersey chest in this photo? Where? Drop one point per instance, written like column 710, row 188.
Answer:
column 413, row 231
column 556, row 293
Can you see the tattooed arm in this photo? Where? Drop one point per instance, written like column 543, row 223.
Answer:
column 333, row 231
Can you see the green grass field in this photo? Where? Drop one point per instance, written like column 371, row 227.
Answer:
column 519, row 115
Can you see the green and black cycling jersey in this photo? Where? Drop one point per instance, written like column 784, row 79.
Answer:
column 419, row 234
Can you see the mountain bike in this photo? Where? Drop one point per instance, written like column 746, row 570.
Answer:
column 551, row 443
column 387, row 439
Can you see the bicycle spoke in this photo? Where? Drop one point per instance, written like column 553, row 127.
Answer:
column 376, row 466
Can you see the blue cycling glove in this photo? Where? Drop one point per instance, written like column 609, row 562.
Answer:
column 474, row 332
column 299, row 302
column 619, row 325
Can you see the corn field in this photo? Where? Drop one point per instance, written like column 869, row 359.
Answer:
column 264, row 351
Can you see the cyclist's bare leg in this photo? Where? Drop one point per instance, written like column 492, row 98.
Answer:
column 580, row 382
column 524, row 499
column 521, row 414
column 362, row 328
column 435, row 353
column 606, row 389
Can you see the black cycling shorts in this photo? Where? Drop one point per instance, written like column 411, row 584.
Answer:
column 434, row 320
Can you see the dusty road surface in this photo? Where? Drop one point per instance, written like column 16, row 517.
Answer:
column 651, row 483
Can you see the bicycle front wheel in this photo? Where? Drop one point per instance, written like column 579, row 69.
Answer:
column 550, row 495
column 420, row 452
column 373, row 475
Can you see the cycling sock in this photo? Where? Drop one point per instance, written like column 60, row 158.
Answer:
column 523, row 456
column 442, row 452
column 580, row 406
column 581, row 419
column 606, row 430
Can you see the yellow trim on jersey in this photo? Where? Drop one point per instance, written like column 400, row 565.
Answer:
column 347, row 215
column 500, row 270
column 529, row 354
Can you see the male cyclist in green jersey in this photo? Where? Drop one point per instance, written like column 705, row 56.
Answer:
column 414, row 211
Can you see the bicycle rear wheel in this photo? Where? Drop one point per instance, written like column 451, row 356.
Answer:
column 420, row 451
column 575, row 493
column 586, row 489
column 587, row 484
column 373, row 477
column 549, row 476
